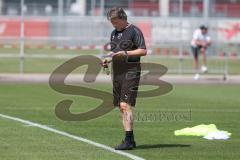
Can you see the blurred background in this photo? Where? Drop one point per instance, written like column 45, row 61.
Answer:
column 37, row 36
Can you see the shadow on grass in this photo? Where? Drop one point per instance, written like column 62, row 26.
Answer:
column 151, row 146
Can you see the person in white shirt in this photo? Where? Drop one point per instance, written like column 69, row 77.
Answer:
column 199, row 44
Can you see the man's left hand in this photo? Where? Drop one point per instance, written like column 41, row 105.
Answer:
column 120, row 55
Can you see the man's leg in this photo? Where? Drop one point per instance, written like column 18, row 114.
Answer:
column 204, row 57
column 128, row 92
column 204, row 66
column 127, row 116
column 195, row 51
column 195, row 64
column 127, row 119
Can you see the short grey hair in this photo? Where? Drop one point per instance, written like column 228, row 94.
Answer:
column 116, row 12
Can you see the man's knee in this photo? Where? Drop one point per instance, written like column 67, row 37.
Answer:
column 124, row 107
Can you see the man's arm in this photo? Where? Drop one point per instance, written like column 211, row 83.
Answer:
column 203, row 43
column 137, row 52
column 138, row 41
column 200, row 43
column 209, row 41
column 134, row 53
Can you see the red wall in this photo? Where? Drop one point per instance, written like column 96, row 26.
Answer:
column 33, row 28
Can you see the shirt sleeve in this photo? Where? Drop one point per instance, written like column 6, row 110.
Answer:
column 138, row 39
column 112, row 35
column 196, row 35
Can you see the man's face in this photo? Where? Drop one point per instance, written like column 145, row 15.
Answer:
column 118, row 24
column 204, row 31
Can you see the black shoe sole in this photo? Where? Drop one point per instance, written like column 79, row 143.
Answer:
column 124, row 148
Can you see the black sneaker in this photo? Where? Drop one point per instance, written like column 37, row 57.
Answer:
column 133, row 142
column 125, row 146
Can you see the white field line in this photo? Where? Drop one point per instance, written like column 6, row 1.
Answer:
column 131, row 156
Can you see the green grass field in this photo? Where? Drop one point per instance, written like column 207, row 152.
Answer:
column 218, row 104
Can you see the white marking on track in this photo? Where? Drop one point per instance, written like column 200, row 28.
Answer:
column 44, row 127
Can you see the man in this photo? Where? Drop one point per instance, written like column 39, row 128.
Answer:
column 127, row 42
column 199, row 44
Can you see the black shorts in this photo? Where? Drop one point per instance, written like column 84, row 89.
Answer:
column 196, row 51
column 125, row 87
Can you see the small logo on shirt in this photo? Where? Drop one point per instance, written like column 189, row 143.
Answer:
column 119, row 36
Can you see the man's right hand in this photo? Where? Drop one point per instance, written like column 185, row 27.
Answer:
column 105, row 63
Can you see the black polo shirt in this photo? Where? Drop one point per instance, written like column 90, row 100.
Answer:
column 130, row 38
